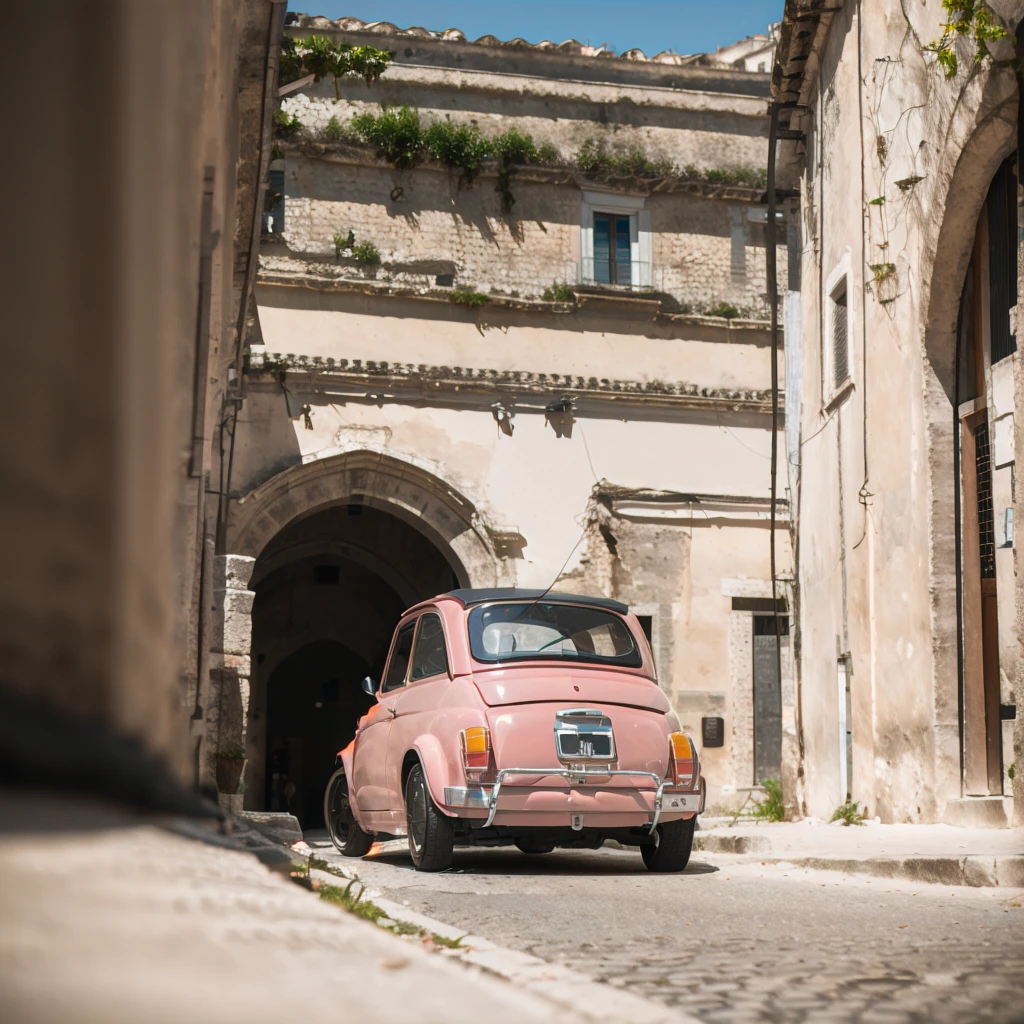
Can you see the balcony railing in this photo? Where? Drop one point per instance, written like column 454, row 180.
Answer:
column 631, row 276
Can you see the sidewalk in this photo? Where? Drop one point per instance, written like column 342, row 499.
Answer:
column 921, row 853
column 107, row 919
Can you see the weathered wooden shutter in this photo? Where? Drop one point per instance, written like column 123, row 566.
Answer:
column 1002, row 258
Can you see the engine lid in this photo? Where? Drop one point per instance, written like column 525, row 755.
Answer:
column 537, row 685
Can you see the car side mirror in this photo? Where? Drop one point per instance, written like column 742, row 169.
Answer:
column 370, row 686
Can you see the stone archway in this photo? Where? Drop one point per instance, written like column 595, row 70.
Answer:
column 400, row 486
column 359, row 535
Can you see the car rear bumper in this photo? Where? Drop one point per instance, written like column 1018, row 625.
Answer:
column 581, row 801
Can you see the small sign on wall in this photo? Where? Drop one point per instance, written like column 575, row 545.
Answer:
column 1004, row 440
column 712, row 731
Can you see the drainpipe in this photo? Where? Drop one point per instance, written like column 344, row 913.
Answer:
column 773, row 299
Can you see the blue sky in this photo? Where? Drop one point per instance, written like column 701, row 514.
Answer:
column 687, row 26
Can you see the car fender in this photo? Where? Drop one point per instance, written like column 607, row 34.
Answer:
column 432, row 756
column 345, row 759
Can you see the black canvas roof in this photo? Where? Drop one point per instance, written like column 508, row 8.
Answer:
column 470, row 597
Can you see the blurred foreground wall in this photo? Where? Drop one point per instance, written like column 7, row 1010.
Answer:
column 125, row 287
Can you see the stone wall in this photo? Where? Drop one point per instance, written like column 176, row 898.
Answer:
column 896, row 163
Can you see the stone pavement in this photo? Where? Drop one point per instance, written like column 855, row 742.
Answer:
column 734, row 940
column 105, row 919
column 928, row 853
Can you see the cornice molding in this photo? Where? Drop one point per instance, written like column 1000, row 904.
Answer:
column 639, row 302
column 420, row 382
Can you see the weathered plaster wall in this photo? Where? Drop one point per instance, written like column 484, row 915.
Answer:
column 876, row 506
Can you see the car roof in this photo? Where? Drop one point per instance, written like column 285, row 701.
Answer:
column 471, row 596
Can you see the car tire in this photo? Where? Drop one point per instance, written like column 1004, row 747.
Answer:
column 670, row 851
column 431, row 833
column 531, row 844
column 345, row 833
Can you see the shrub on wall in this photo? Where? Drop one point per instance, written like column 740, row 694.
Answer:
column 366, row 253
column 467, row 297
column 457, row 145
column 594, row 157
column 394, row 132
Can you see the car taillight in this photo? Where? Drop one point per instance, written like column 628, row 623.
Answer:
column 684, row 758
column 476, row 749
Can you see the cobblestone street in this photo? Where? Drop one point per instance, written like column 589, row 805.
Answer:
column 731, row 941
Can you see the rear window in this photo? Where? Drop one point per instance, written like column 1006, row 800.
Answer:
column 543, row 631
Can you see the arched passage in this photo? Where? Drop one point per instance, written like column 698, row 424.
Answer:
column 329, row 589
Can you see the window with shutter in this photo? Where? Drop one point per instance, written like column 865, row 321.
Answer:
column 1001, row 206
column 840, row 338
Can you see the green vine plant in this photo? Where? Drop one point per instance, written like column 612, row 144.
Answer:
column 322, row 57
column 514, row 149
column 966, row 18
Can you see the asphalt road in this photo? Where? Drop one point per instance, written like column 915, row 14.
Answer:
column 736, row 941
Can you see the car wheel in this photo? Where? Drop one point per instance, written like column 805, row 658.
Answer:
column 531, row 844
column 431, row 833
column 346, row 835
column 670, row 850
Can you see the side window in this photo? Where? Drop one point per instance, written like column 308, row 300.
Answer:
column 399, row 658
column 430, row 657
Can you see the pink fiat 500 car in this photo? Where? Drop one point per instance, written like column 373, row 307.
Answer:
column 517, row 716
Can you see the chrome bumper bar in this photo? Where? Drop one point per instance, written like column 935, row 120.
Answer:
column 476, row 796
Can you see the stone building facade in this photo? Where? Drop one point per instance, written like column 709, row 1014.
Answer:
column 903, row 410
column 568, row 389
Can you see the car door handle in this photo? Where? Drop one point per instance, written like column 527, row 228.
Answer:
column 394, row 713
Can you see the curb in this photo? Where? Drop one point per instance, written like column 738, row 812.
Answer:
column 972, row 871
column 717, row 843
column 570, row 990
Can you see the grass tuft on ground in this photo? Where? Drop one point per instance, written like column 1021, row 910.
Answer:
column 350, row 898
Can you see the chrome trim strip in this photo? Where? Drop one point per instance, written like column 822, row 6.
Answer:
column 578, row 776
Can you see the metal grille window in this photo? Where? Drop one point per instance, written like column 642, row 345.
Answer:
column 840, row 338
column 611, row 249
column 986, row 524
